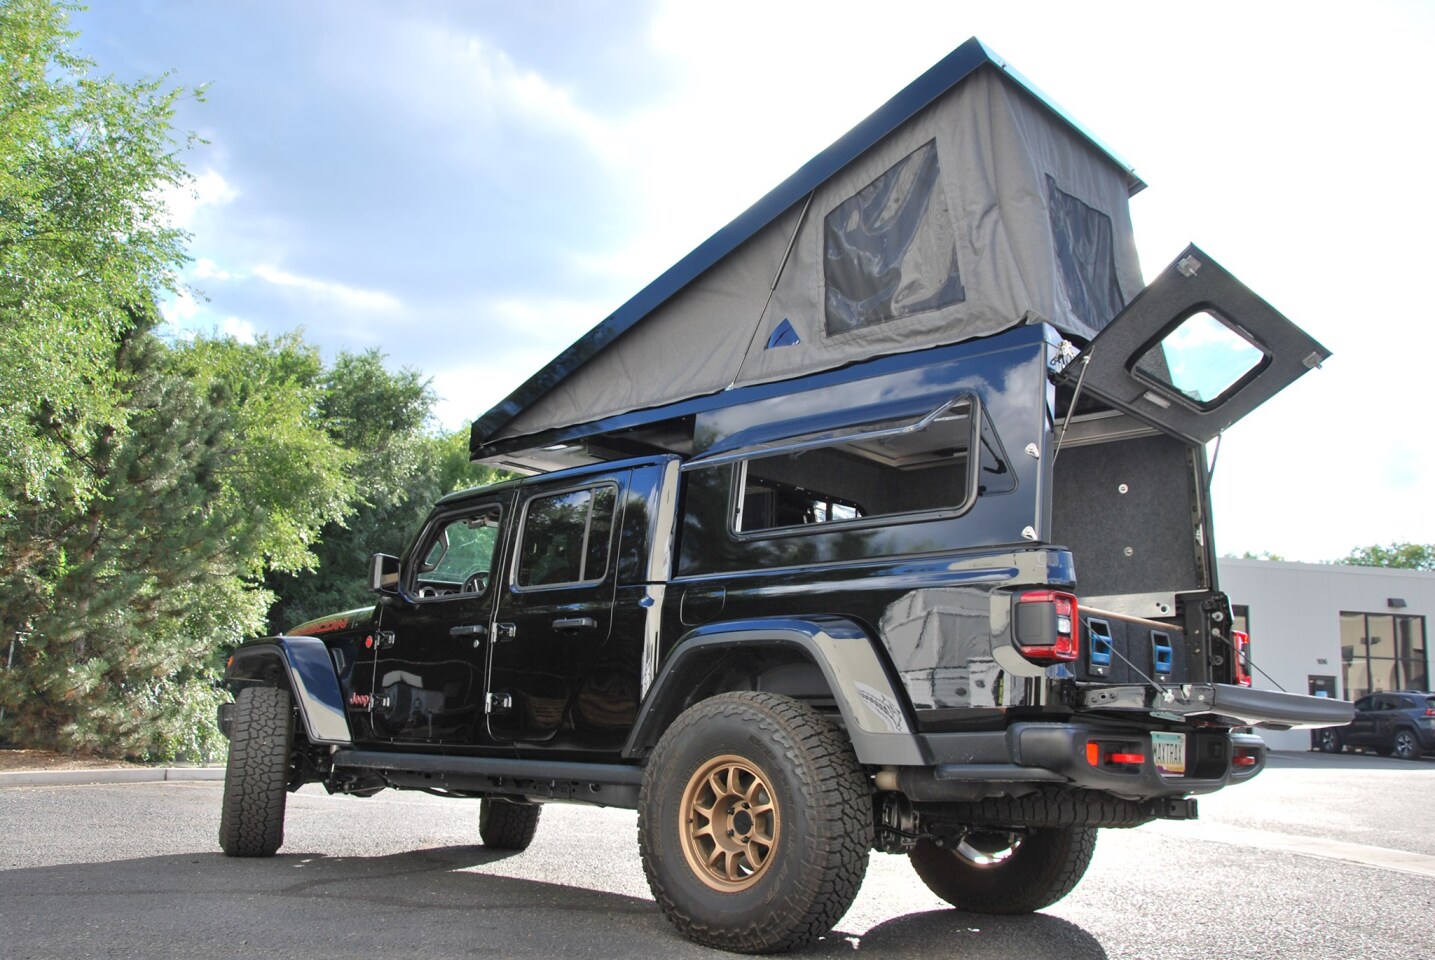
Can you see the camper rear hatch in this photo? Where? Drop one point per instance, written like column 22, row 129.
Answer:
column 1194, row 352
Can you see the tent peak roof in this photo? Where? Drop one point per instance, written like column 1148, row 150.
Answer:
column 947, row 73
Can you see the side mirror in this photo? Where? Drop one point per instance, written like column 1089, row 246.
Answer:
column 384, row 574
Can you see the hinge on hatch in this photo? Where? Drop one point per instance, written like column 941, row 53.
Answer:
column 1061, row 358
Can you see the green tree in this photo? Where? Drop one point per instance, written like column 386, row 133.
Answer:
column 84, row 165
column 400, row 467
column 224, row 471
column 1406, row 556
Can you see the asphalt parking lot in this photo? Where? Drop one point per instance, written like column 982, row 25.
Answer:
column 1321, row 856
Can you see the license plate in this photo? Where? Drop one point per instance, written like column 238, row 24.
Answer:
column 1169, row 752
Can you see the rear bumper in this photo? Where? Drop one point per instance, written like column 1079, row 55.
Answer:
column 1032, row 755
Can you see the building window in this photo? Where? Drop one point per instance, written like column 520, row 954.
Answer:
column 1382, row 651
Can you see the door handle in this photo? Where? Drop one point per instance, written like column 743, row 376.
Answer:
column 575, row 623
column 468, row 630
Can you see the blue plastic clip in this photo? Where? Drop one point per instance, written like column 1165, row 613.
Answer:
column 1162, row 656
column 1098, row 649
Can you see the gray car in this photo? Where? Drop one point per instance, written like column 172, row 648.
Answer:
column 1398, row 722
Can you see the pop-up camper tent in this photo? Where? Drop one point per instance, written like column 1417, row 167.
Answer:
column 966, row 205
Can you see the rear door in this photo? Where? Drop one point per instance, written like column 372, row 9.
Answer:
column 555, row 610
column 1194, row 352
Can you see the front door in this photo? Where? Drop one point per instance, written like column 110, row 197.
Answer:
column 1194, row 352
column 556, row 609
column 430, row 652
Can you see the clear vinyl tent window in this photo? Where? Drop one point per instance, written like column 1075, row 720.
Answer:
column 914, row 465
column 1202, row 359
column 890, row 251
column 1083, row 241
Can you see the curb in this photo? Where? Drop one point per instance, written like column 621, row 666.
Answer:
column 49, row 778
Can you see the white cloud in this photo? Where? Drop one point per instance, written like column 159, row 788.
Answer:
column 207, row 189
column 206, row 269
column 240, row 329
column 180, row 309
column 357, row 298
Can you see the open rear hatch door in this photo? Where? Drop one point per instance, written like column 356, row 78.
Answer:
column 1194, row 352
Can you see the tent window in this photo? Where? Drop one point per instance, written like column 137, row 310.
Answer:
column 882, row 471
column 890, row 251
column 1085, row 256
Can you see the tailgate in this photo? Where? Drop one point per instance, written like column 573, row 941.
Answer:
column 1222, row 703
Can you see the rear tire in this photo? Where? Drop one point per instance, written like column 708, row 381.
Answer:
column 754, row 823
column 998, row 872
column 506, row 825
column 256, row 779
column 1327, row 740
column 1406, row 746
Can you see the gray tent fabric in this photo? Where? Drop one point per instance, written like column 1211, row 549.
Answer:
column 983, row 210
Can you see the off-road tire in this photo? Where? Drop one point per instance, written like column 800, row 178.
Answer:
column 1327, row 740
column 1044, row 867
column 506, row 825
column 754, row 823
column 1406, row 745
column 256, row 780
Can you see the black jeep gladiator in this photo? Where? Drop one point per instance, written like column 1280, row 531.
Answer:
column 957, row 601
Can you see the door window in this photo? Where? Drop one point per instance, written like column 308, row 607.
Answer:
column 567, row 538
column 458, row 556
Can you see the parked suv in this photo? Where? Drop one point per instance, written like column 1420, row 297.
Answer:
column 1400, row 722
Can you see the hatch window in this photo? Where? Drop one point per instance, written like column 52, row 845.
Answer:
column 1202, row 360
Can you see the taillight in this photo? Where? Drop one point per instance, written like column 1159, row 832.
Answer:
column 1242, row 643
column 1047, row 629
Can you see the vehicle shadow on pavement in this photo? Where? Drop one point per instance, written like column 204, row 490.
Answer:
column 971, row 936
column 435, row 901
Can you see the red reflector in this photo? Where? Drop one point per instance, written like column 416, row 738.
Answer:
column 368, row 643
column 1244, row 760
column 1093, row 754
column 1127, row 758
column 1242, row 643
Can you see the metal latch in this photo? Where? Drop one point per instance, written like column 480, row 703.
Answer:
column 499, row 702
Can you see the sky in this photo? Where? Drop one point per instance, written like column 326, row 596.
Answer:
column 470, row 186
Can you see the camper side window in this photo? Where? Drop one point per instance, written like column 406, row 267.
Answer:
column 917, row 467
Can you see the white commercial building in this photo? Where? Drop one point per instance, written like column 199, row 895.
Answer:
column 1331, row 630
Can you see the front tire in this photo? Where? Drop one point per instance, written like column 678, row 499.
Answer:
column 256, row 778
column 506, row 825
column 993, row 871
column 754, row 823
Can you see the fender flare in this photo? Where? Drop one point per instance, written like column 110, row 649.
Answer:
column 873, row 710
column 303, row 665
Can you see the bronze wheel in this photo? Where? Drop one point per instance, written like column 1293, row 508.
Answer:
column 754, row 822
column 731, row 823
